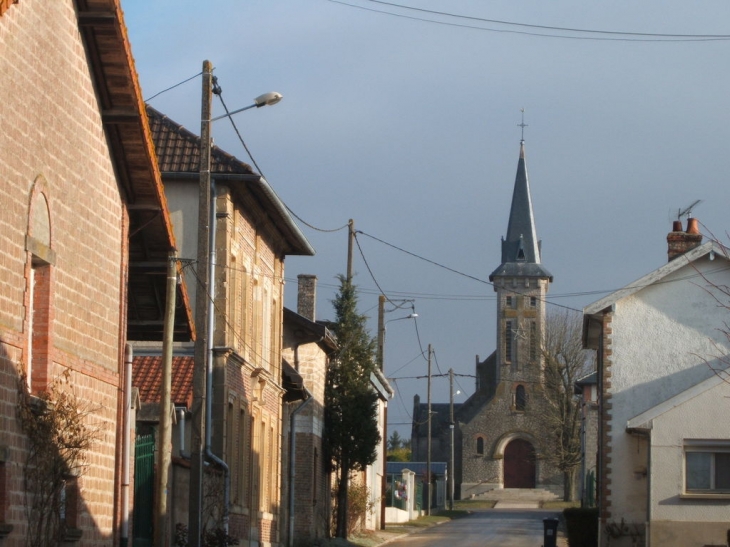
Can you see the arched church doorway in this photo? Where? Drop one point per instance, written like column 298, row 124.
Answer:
column 519, row 464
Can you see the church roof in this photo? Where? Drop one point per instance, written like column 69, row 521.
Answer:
column 521, row 248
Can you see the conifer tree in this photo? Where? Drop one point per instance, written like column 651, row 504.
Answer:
column 351, row 405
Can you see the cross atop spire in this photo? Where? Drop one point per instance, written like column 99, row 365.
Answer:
column 522, row 125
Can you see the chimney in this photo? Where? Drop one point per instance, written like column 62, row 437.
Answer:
column 307, row 296
column 679, row 242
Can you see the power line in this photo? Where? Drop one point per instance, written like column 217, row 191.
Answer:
column 172, row 87
column 606, row 36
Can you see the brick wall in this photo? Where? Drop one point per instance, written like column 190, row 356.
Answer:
column 51, row 135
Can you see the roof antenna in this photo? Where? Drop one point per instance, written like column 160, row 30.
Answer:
column 688, row 210
column 522, row 125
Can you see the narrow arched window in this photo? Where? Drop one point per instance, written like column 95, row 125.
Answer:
column 480, row 445
column 520, row 398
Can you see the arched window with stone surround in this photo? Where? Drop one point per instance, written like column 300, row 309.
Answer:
column 38, row 298
column 480, row 445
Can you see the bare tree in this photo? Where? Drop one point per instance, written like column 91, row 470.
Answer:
column 559, row 417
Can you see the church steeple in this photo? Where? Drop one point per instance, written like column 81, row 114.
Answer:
column 521, row 248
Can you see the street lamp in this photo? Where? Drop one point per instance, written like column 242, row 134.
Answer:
column 203, row 316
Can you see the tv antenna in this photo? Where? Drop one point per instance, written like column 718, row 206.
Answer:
column 687, row 211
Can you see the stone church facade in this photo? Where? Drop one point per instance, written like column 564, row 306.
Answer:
column 496, row 433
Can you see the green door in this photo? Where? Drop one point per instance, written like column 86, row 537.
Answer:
column 144, row 491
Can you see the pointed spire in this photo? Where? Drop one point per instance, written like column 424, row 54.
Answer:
column 521, row 248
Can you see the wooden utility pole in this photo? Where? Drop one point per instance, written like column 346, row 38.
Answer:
column 201, row 317
column 164, row 439
column 350, row 245
column 428, row 442
column 451, row 428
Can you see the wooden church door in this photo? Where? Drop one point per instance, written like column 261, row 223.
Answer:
column 519, row 465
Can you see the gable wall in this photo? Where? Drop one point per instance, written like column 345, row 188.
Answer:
column 51, row 135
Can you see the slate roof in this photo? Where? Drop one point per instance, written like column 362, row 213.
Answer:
column 147, row 377
column 521, row 248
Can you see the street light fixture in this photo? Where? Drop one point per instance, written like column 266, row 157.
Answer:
column 267, row 99
column 203, row 317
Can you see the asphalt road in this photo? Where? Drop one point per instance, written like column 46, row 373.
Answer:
column 488, row 527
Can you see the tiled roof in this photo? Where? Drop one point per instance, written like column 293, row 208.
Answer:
column 147, row 376
column 178, row 150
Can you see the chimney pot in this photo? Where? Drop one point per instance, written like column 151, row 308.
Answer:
column 677, row 226
column 692, row 226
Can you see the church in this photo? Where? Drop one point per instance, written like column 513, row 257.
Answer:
column 495, row 435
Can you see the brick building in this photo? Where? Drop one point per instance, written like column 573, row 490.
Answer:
column 306, row 492
column 253, row 234
column 83, row 225
column 496, row 433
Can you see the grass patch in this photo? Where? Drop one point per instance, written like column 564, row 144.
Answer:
column 454, row 514
column 467, row 505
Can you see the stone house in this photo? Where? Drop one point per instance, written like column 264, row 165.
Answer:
column 253, row 233
column 663, row 387
column 497, row 440
column 84, row 233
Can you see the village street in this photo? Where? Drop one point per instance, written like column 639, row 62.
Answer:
column 487, row 527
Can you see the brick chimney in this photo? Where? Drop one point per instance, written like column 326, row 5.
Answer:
column 307, row 296
column 679, row 242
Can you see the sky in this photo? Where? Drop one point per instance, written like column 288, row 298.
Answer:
column 405, row 118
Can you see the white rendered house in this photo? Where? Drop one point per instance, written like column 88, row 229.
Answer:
column 664, row 400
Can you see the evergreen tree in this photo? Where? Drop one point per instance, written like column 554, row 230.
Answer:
column 351, row 404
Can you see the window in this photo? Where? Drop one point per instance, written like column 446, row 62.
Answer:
column 509, row 336
column 41, row 258
column 480, row 445
column 533, row 302
column 520, row 398
column 509, row 302
column 707, row 467
column 533, row 341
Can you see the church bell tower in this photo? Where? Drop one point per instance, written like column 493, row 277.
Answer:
column 521, row 283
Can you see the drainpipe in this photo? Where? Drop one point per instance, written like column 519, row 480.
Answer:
column 180, row 411
column 292, row 461
column 126, row 442
column 209, row 372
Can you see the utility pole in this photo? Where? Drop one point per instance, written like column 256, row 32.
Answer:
column 164, row 440
column 381, row 332
column 428, row 443
column 381, row 364
column 451, row 428
column 201, row 316
column 350, row 244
